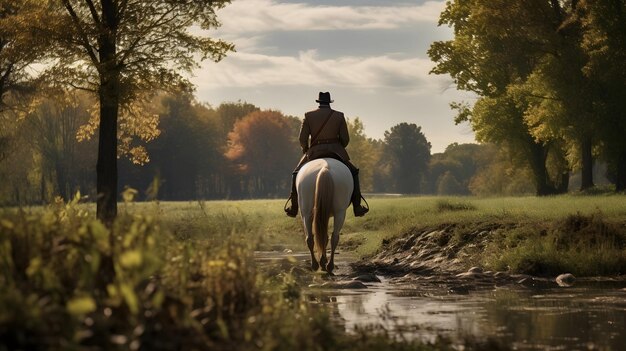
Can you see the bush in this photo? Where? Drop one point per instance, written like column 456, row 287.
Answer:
column 578, row 244
column 67, row 281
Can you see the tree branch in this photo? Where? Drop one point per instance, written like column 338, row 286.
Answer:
column 157, row 23
column 543, row 97
column 85, row 40
column 94, row 12
column 122, row 8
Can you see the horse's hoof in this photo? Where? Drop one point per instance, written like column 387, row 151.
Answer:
column 315, row 266
column 323, row 263
column 329, row 268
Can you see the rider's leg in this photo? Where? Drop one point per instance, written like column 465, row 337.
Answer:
column 292, row 211
column 359, row 210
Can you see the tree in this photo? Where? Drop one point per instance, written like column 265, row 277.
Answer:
column 363, row 153
column 45, row 159
column 407, row 153
column 262, row 147
column 604, row 41
column 122, row 51
column 449, row 185
column 561, row 96
column 500, row 176
column 230, row 112
column 53, row 127
column 497, row 46
column 18, row 50
column 17, row 164
column 184, row 155
column 460, row 162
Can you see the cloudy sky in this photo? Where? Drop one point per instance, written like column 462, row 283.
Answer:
column 369, row 54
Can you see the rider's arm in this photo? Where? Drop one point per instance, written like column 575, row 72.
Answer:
column 344, row 137
column 305, row 131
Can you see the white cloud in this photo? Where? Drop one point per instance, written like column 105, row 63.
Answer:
column 253, row 16
column 248, row 22
column 256, row 70
column 281, row 63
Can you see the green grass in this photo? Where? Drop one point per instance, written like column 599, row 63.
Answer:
column 263, row 221
column 521, row 248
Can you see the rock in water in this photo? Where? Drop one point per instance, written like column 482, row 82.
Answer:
column 475, row 270
column 340, row 285
column 566, row 279
column 367, row 278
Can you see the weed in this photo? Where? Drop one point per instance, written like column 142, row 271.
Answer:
column 447, row 205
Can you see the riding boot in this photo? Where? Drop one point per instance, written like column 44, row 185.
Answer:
column 292, row 211
column 359, row 210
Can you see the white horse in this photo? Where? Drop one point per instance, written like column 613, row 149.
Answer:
column 324, row 189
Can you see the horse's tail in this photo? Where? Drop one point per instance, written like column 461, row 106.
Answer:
column 322, row 209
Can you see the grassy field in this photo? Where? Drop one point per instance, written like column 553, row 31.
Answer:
column 264, row 221
column 543, row 235
column 181, row 275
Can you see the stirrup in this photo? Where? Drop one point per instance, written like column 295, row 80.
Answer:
column 362, row 210
column 290, row 211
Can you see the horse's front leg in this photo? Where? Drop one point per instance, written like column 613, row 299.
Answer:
column 308, row 229
column 334, row 240
column 323, row 260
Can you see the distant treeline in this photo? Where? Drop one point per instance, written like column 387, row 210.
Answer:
column 194, row 151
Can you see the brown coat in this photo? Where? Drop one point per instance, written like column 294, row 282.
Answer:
column 332, row 139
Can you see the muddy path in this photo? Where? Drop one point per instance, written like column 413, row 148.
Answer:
column 420, row 286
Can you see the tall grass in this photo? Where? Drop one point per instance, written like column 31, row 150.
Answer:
column 69, row 283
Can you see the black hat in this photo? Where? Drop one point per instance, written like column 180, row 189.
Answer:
column 324, row 98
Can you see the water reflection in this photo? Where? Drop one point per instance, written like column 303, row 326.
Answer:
column 588, row 316
column 578, row 318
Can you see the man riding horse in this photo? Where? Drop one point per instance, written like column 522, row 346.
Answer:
column 328, row 134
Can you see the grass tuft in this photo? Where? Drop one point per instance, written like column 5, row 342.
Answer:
column 584, row 245
column 447, row 205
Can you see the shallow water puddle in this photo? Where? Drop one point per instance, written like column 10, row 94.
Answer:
column 588, row 319
column 589, row 315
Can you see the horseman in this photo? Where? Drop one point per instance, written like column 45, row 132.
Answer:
column 328, row 134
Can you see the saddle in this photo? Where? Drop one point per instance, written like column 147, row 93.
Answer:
column 329, row 155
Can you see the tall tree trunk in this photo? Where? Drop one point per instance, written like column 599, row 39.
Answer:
column 587, row 163
column 563, row 183
column 109, row 94
column 538, row 157
column 106, row 168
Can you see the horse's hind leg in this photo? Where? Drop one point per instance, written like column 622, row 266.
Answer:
column 334, row 241
column 308, row 228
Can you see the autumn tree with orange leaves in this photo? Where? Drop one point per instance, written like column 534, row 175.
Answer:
column 263, row 151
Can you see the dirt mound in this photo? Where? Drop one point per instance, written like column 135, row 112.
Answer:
column 448, row 248
column 584, row 245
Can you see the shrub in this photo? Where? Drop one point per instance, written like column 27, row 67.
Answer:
column 578, row 244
